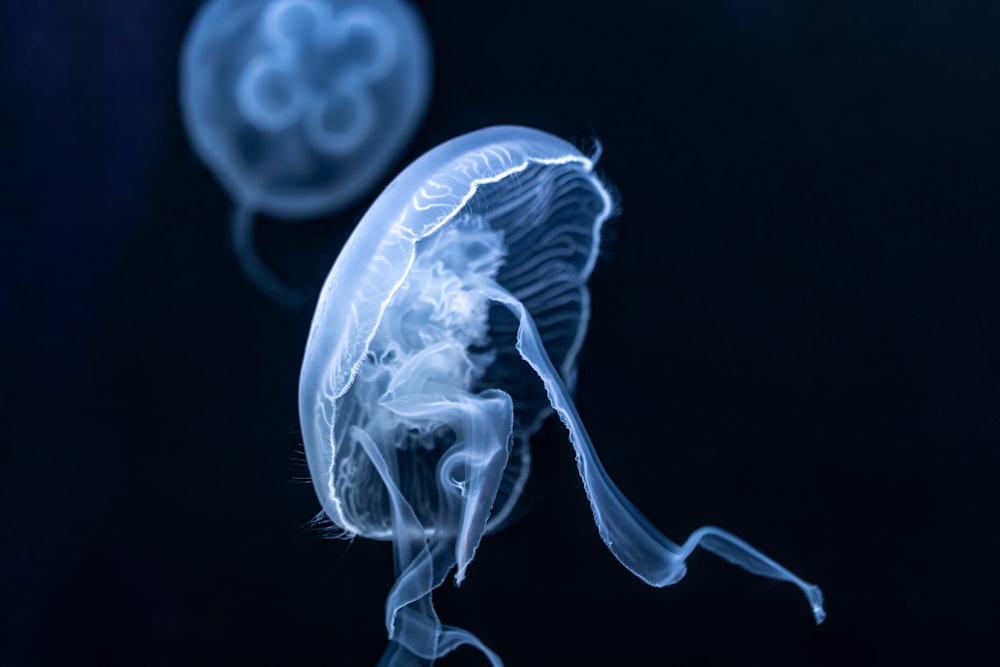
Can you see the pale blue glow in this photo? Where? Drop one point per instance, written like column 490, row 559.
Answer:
column 300, row 106
column 446, row 332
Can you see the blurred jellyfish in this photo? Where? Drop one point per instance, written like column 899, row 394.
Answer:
column 300, row 106
column 446, row 332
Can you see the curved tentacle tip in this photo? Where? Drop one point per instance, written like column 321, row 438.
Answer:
column 815, row 596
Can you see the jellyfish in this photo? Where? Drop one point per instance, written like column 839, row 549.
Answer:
column 300, row 106
column 446, row 332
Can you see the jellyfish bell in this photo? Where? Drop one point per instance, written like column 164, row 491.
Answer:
column 447, row 330
column 299, row 106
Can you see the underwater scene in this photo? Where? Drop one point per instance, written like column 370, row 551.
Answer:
column 411, row 333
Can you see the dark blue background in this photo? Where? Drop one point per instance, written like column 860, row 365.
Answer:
column 795, row 336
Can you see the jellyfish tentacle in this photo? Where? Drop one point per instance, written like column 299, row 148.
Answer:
column 425, row 390
column 241, row 232
column 634, row 541
column 470, row 472
column 731, row 548
column 413, row 560
column 452, row 637
column 397, row 655
column 478, row 457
